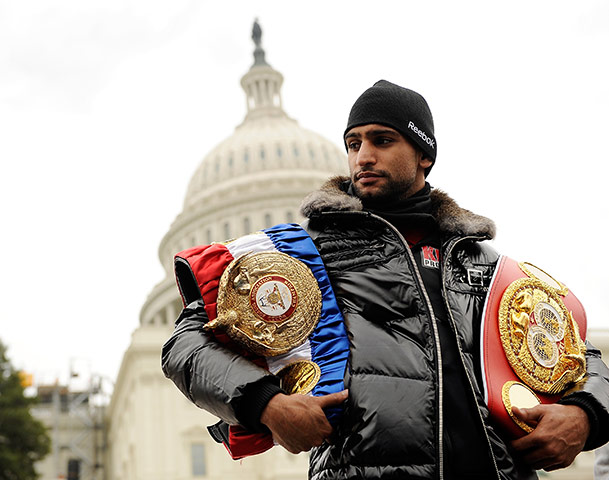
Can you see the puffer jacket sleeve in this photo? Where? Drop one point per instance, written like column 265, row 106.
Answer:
column 593, row 396
column 212, row 376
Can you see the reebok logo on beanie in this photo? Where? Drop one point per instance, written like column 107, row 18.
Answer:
column 429, row 141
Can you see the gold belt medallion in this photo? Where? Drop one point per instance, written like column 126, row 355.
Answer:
column 539, row 335
column 268, row 302
column 515, row 394
column 299, row 377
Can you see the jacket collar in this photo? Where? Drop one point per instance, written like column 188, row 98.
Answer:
column 452, row 219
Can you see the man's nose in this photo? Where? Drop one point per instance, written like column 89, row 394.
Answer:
column 366, row 154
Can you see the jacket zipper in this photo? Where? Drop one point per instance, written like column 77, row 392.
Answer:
column 436, row 340
column 459, row 349
column 436, row 334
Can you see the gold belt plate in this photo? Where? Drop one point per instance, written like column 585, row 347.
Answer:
column 539, row 335
column 268, row 302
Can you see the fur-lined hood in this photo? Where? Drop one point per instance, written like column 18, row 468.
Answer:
column 451, row 218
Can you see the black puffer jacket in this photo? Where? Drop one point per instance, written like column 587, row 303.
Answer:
column 393, row 423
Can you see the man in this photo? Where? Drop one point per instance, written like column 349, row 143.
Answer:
column 397, row 253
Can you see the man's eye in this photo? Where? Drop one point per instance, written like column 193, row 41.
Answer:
column 383, row 140
column 353, row 145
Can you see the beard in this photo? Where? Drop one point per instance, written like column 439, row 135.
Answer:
column 390, row 192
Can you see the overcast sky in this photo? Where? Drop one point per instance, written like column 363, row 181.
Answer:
column 107, row 108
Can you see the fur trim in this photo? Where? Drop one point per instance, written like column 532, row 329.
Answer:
column 454, row 219
column 451, row 218
column 329, row 198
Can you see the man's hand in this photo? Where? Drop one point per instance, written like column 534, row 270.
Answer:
column 298, row 422
column 560, row 434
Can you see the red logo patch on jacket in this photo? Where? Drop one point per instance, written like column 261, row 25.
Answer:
column 430, row 257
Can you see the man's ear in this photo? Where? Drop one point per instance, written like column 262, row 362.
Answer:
column 425, row 162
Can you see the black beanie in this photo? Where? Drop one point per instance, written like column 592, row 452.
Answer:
column 399, row 108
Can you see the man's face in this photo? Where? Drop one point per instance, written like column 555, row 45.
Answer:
column 384, row 166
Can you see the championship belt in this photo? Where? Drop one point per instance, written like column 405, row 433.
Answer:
column 268, row 297
column 533, row 336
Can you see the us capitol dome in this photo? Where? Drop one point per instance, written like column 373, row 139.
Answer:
column 253, row 179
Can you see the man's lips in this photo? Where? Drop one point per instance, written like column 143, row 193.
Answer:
column 367, row 177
